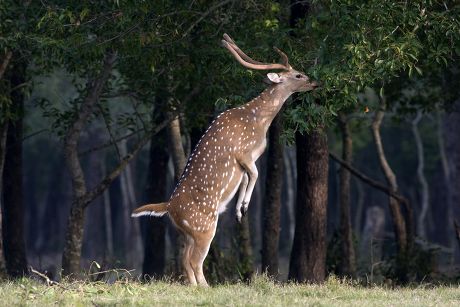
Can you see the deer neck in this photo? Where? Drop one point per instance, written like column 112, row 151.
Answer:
column 269, row 103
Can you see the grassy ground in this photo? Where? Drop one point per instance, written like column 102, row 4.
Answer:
column 260, row 292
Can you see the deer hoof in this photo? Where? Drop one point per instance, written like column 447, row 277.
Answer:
column 238, row 216
column 244, row 209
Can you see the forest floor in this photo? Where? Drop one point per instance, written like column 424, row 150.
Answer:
column 260, row 292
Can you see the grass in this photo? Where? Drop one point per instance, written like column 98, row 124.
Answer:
column 260, row 292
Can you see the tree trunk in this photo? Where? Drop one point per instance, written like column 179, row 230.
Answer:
column 133, row 239
column 291, row 175
column 73, row 240
column 179, row 160
column 245, row 250
column 359, row 207
column 421, row 225
column 13, row 213
column 74, row 233
column 5, row 62
column 3, row 134
column 176, row 148
column 154, row 245
column 271, row 208
column 451, row 126
column 308, row 256
column 399, row 223
column 347, row 266
column 108, row 226
column 446, row 172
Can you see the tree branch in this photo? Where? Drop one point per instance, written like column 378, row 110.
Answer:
column 204, row 15
column 376, row 184
column 104, row 184
column 5, row 63
column 73, row 134
column 108, row 144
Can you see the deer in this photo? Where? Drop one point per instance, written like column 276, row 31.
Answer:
column 224, row 162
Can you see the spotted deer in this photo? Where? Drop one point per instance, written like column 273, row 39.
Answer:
column 224, row 162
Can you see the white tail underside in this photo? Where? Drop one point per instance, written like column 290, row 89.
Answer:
column 148, row 213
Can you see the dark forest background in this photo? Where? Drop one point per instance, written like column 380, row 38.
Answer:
column 102, row 101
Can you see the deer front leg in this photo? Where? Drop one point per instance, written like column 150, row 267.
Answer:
column 242, row 193
column 251, row 170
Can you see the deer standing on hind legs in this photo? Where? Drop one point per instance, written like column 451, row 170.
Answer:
column 223, row 162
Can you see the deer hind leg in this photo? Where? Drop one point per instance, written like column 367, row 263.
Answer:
column 251, row 170
column 200, row 250
column 186, row 260
column 242, row 193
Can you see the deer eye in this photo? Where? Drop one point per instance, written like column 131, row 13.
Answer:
column 298, row 76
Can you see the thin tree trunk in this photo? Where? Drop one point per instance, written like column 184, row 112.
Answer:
column 291, row 176
column 73, row 239
column 3, row 134
column 108, row 226
column 359, row 207
column 421, row 177
column 176, row 148
column 450, row 128
column 74, row 233
column 399, row 223
column 5, row 62
column 446, row 174
column 308, row 256
column 72, row 244
column 245, row 250
column 272, row 206
column 13, row 213
column 133, row 239
column 348, row 260
column 155, row 243
column 179, row 160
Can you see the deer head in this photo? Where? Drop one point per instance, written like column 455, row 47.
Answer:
column 289, row 78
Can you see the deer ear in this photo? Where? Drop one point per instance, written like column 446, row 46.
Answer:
column 274, row 77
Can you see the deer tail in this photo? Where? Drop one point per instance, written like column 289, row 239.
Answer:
column 151, row 210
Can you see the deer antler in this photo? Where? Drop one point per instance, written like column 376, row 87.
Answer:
column 248, row 62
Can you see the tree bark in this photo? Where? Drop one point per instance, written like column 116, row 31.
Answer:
column 245, row 250
column 155, row 244
column 132, row 239
column 425, row 197
column 308, row 256
column 451, row 126
column 5, row 62
column 74, row 232
column 399, row 223
column 13, row 215
column 446, row 172
column 179, row 161
column 3, row 134
column 176, row 148
column 272, row 206
column 347, row 266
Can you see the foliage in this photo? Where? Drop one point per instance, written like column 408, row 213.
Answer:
column 358, row 44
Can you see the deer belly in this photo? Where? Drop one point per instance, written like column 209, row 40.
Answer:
column 230, row 190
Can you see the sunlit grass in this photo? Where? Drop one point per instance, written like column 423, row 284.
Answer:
column 260, row 292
